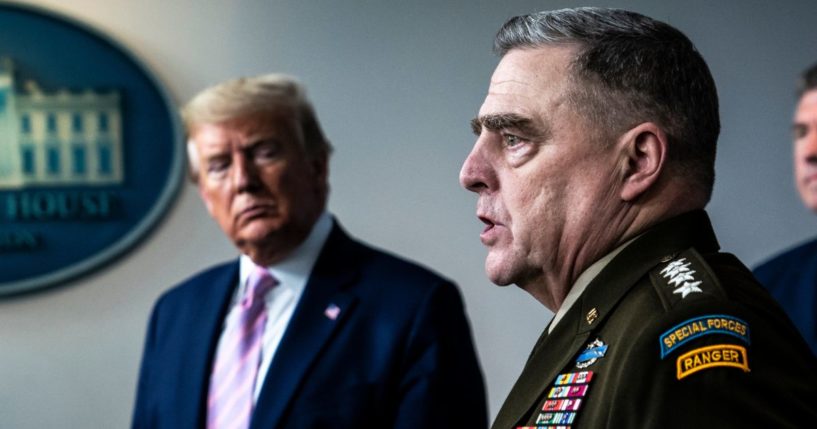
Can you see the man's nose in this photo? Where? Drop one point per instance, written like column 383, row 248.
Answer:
column 808, row 144
column 476, row 174
column 244, row 174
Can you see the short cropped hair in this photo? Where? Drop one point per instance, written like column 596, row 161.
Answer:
column 248, row 96
column 807, row 81
column 629, row 69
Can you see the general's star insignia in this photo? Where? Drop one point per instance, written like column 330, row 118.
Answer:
column 680, row 274
column 688, row 288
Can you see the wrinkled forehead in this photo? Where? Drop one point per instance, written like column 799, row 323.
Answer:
column 529, row 78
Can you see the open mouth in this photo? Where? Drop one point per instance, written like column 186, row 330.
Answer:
column 489, row 233
column 489, row 224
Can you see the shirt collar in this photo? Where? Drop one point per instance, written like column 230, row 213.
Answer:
column 293, row 271
column 583, row 281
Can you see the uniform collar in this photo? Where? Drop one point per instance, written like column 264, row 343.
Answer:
column 583, row 281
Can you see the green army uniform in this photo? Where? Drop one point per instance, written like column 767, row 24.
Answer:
column 670, row 334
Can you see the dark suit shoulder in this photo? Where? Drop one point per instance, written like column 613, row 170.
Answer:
column 789, row 263
column 396, row 281
column 201, row 284
column 208, row 273
column 386, row 263
column 343, row 252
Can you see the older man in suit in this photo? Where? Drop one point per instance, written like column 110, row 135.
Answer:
column 308, row 328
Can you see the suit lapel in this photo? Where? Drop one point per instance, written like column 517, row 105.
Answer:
column 321, row 310
column 209, row 308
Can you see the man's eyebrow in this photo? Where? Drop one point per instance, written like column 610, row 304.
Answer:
column 505, row 121
column 476, row 126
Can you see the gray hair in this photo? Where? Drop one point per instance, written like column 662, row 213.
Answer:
column 630, row 69
column 807, row 81
column 247, row 96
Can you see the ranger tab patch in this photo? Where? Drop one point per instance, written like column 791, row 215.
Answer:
column 727, row 355
column 705, row 325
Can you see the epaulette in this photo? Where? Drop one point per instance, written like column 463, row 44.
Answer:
column 684, row 276
column 705, row 340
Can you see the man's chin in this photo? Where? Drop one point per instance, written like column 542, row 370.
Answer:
column 496, row 274
column 810, row 200
column 257, row 235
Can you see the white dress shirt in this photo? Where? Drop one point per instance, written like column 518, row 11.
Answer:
column 292, row 274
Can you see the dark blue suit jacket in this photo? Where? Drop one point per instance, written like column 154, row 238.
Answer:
column 792, row 279
column 399, row 355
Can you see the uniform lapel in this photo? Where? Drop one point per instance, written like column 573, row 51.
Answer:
column 321, row 310
column 554, row 351
column 551, row 354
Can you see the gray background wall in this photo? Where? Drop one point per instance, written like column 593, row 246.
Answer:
column 395, row 84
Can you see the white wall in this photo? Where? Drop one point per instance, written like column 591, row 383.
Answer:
column 395, row 84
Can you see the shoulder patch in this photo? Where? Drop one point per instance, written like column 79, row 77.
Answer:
column 683, row 276
column 700, row 326
column 720, row 355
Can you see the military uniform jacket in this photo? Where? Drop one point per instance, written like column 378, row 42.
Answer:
column 670, row 334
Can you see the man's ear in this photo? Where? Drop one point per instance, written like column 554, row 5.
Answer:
column 644, row 153
column 320, row 171
column 320, row 166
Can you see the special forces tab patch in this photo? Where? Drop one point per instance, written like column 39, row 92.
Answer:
column 720, row 355
column 700, row 326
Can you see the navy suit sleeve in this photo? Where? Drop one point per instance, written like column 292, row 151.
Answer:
column 442, row 384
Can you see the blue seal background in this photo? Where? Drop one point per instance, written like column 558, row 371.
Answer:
column 58, row 52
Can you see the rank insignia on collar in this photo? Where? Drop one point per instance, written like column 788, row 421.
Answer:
column 595, row 350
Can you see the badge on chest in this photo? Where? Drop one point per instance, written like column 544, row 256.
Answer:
column 569, row 391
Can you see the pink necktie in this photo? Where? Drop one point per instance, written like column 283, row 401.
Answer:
column 232, row 383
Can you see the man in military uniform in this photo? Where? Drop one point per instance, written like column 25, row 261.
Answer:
column 593, row 163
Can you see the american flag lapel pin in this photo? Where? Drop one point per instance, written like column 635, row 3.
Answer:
column 332, row 311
